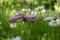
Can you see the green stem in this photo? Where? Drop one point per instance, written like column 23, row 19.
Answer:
column 53, row 34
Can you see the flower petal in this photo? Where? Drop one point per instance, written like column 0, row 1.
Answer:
column 12, row 19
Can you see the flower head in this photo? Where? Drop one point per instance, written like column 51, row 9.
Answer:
column 39, row 8
column 32, row 17
column 12, row 25
column 28, row 10
column 23, row 9
column 47, row 19
column 25, row 18
column 16, row 38
column 19, row 15
column 54, row 23
column 36, row 10
column 55, row 17
column 48, row 11
column 13, row 19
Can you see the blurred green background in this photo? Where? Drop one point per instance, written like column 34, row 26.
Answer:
column 38, row 30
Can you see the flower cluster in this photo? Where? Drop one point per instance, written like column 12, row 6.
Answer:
column 48, row 19
column 53, row 21
column 20, row 15
column 17, row 16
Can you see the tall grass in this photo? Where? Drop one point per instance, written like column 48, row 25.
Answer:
column 27, row 30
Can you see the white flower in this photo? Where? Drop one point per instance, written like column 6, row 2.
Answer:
column 32, row 12
column 47, row 19
column 54, row 23
column 12, row 25
column 39, row 8
column 26, row 10
column 23, row 9
column 58, row 20
column 29, row 9
column 35, row 13
column 36, row 10
column 43, row 10
column 48, row 11
column 0, row 22
column 16, row 38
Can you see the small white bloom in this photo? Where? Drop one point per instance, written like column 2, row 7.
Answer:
column 43, row 10
column 39, row 8
column 48, row 11
column 32, row 12
column 36, row 10
column 16, row 38
column 58, row 20
column 0, row 22
column 47, row 19
column 45, row 34
column 35, row 13
column 29, row 9
column 23, row 9
column 13, row 25
column 54, row 23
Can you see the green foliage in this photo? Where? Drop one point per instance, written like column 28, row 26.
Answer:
column 27, row 30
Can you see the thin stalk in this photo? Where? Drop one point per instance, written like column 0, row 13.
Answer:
column 53, row 34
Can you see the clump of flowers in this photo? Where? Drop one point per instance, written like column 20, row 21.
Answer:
column 20, row 15
column 48, row 19
column 13, row 19
column 53, row 21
